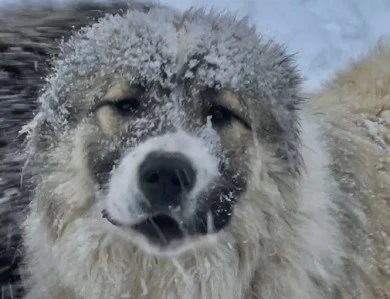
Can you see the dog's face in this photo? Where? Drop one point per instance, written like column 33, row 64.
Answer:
column 169, row 165
column 168, row 115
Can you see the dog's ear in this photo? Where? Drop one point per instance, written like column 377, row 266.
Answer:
column 29, row 39
column 30, row 36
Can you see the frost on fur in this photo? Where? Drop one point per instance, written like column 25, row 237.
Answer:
column 264, row 218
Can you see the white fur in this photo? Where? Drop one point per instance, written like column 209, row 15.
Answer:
column 124, row 190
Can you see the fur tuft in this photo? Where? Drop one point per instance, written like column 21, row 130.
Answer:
column 311, row 220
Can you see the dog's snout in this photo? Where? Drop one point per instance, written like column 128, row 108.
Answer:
column 165, row 178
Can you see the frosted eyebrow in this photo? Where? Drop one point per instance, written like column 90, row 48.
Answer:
column 120, row 91
column 233, row 102
column 229, row 100
column 117, row 92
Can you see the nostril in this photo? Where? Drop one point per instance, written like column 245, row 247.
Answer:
column 176, row 181
column 153, row 178
column 181, row 179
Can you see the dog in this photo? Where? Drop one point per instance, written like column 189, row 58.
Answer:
column 174, row 155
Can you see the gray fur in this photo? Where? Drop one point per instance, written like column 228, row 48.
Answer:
column 282, row 242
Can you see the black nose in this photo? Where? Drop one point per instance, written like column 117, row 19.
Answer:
column 165, row 178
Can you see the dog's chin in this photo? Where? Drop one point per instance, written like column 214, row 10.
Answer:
column 161, row 234
column 176, row 247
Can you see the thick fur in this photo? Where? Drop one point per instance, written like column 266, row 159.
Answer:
column 312, row 221
column 354, row 111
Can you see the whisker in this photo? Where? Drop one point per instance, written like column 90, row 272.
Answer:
column 158, row 230
column 181, row 269
column 210, row 223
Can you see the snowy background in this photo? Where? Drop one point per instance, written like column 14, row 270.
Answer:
column 326, row 34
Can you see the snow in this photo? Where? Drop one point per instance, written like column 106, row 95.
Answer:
column 325, row 34
column 375, row 129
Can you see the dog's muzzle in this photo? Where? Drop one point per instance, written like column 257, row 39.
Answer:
column 165, row 179
column 166, row 190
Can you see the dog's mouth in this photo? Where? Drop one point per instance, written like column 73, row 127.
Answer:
column 159, row 229
column 167, row 229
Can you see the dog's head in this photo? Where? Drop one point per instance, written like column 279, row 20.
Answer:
column 157, row 123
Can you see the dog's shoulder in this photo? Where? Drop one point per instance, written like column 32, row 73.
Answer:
column 355, row 111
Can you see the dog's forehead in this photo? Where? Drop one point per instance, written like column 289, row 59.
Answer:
column 168, row 48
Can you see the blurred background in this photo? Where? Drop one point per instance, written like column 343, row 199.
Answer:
column 326, row 34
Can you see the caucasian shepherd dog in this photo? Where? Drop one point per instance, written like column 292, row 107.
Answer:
column 174, row 156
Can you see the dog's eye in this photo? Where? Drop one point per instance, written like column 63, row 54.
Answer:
column 220, row 115
column 126, row 106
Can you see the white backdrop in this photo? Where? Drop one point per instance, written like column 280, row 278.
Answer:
column 326, row 34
